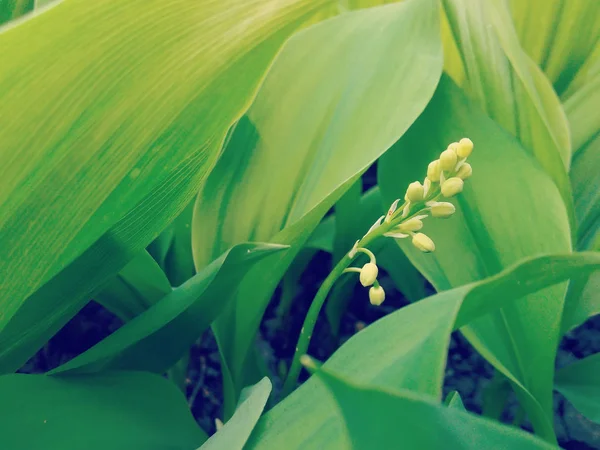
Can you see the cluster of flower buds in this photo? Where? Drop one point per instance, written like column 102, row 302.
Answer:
column 445, row 178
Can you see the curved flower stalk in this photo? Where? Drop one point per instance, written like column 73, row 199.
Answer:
column 445, row 179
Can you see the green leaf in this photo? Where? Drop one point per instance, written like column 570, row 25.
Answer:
column 509, row 210
column 453, row 400
column 558, row 35
column 579, row 382
column 322, row 116
column 156, row 339
column 515, row 93
column 138, row 286
column 582, row 302
column 118, row 110
column 407, row 350
column 236, row 431
column 120, row 411
column 384, row 419
column 581, row 109
column 11, row 9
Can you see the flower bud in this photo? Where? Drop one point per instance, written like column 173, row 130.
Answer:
column 442, row 209
column 465, row 171
column 448, row 159
column 415, row 192
column 376, row 295
column 452, row 186
column 413, row 224
column 465, row 147
column 433, row 170
column 368, row 274
column 423, row 243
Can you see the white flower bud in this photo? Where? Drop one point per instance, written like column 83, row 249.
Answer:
column 433, row 170
column 413, row 224
column 415, row 192
column 423, row 242
column 368, row 274
column 376, row 295
column 465, row 147
column 465, row 171
column 448, row 159
column 452, row 186
column 442, row 209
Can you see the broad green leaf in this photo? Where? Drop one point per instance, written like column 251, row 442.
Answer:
column 407, row 350
column 509, row 210
column 119, row 410
column 236, row 431
column 559, row 35
column 581, row 109
column 579, row 382
column 582, row 302
column 11, row 9
column 322, row 116
column 385, row 419
column 138, row 286
column 159, row 337
column 453, row 400
column 113, row 113
column 347, row 225
column 515, row 93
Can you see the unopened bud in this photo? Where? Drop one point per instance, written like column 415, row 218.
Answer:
column 465, row 171
column 376, row 295
column 448, row 159
column 415, row 192
column 442, row 209
column 465, row 147
column 423, row 242
column 413, row 224
column 452, row 186
column 368, row 274
column 433, row 170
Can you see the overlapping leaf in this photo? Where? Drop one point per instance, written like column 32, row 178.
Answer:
column 406, row 350
column 112, row 114
column 509, row 210
column 322, row 116
column 579, row 382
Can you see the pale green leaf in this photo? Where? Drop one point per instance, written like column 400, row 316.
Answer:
column 579, row 382
column 117, row 411
column 113, row 113
column 322, row 116
column 156, row 339
column 384, row 419
column 236, row 431
column 509, row 210
column 453, row 400
column 406, row 350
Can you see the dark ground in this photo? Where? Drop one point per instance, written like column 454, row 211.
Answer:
column 466, row 371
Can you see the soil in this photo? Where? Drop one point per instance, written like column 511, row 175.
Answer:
column 466, row 372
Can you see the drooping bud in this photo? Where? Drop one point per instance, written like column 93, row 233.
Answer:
column 448, row 159
column 423, row 242
column 442, row 209
column 433, row 170
column 415, row 192
column 413, row 224
column 452, row 186
column 368, row 274
column 376, row 295
column 465, row 147
column 465, row 171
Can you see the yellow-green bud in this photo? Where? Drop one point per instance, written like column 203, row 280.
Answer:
column 433, row 170
column 376, row 295
column 423, row 243
column 442, row 209
column 415, row 192
column 465, row 171
column 413, row 224
column 368, row 274
column 452, row 186
column 448, row 159
column 465, row 147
